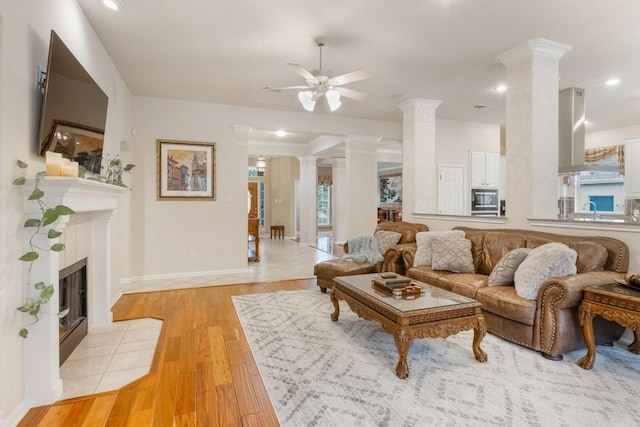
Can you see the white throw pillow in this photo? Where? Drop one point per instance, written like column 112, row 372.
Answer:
column 424, row 253
column 542, row 263
column 452, row 253
column 386, row 239
column 504, row 270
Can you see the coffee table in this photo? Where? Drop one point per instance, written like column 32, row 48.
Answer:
column 438, row 313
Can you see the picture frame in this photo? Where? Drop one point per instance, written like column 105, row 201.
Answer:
column 77, row 142
column 186, row 170
column 391, row 188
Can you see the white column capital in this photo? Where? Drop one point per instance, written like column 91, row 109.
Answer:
column 420, row 110
column 542, row 48
column 362, row 143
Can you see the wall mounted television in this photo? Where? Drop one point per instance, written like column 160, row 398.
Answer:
column 74, row 110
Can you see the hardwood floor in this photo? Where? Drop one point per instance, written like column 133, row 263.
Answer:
column 203, row 372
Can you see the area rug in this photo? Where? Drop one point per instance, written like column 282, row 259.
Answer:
column 323, row 373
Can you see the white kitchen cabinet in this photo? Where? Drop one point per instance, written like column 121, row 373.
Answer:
column 485, row 169
column 631, row 168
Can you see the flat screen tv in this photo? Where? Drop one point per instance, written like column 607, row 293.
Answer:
column 74, row 110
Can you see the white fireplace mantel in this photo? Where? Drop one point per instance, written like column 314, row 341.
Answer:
column 42, row 358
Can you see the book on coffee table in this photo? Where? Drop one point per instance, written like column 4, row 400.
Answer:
column 405, row 289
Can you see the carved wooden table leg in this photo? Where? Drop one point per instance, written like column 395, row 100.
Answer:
column 634, row 347
column 586, row 320
column 403, row 341
column 478, row 334
column 336, row 306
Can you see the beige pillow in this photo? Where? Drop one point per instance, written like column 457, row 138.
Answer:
column 424, row 252
column 386, row 239
column 504, row 270
column 452, row 253
column 542, row 263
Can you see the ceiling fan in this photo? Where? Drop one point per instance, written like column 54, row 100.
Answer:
column 321, row 82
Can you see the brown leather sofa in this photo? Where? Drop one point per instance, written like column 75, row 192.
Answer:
column 550, row 323
column 327, row 270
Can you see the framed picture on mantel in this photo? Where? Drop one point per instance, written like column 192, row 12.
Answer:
column 186, row 170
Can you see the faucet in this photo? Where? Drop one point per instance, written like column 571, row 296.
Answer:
column 595, row 208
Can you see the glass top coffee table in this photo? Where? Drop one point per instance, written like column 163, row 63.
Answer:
column 437, row 313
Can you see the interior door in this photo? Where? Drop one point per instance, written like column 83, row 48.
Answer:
column 451, row 190
column 253, row 192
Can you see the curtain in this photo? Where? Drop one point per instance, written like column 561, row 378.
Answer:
column 592, row 155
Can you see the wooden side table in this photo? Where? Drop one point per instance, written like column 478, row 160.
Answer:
column 277, row 231
column 612, row 302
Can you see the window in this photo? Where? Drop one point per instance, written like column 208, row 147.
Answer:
column 604, row 189
column 324, row 205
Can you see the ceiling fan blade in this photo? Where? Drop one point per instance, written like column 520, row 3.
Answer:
column 353, row 76
column 304, row 73
column 277, row 89
column 350, row 93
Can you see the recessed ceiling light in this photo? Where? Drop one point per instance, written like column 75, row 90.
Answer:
column 113, row 4
column 612, row 82
column 281, row 133
column 500, row 88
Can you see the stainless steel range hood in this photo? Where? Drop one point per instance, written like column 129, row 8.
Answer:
column 571, row 135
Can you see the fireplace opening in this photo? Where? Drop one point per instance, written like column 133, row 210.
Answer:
column 73, row 295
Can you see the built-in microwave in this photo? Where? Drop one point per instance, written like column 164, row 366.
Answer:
column 484, row 201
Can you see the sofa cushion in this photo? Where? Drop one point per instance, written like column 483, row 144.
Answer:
column 495, row 246
column 592, row 256
column 466, row 284
column 425, row 274
column 505, row 302
column 542, row 263
column 408, row 230
column 452, row 253
column 386, row 239
column 504, row 270
column 424, row 252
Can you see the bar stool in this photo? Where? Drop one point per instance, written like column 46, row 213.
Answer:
column 277, row 231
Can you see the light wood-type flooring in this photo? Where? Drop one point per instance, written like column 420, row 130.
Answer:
column 203, row 372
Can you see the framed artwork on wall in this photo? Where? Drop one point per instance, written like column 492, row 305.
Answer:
column 391, row 188
column 186, row 170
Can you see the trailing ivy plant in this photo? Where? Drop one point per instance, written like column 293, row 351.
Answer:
column 40, row 293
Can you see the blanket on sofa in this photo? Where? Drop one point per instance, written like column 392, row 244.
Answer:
column 363, row 249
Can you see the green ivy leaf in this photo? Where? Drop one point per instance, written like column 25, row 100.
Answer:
column 64, row 210
column 50, row 216
column 22, row 165
column 29, row 256
column 33, row 222
column 19, row 181
column 37, row 194
column 63, row 313
column 39, row 286
column 129, row 167
column 54, row 233
column 47, row 293
column 25, row 308
column 57, row 247
column 24, row 333
column 35, row 310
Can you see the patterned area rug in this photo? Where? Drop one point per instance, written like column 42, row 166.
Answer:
column 323, row 373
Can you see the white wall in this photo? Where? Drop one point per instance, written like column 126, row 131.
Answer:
column 609, row 137
column 24, row 41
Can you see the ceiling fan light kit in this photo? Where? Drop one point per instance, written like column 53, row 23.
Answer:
column 321, row 83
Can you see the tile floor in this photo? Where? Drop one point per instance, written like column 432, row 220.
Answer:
column 111, row 357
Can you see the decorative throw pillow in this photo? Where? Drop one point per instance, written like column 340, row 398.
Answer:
column 504, row 270
column 452, row 253
column 424, row 253
column 542, row 263
column 386, row 239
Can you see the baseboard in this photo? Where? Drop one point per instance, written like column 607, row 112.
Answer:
column 15, row 416
column 131, row 279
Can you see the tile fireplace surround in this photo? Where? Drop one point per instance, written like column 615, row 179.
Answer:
column 95, row 203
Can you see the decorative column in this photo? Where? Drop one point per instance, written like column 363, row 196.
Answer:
column 308, row 200
column 361, row 174
column 419, row 168
column 532, row 129
column 339, row 200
